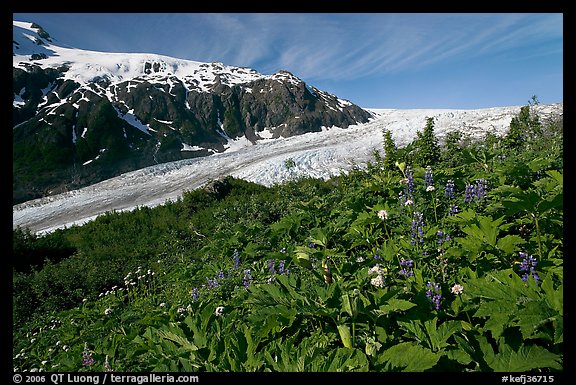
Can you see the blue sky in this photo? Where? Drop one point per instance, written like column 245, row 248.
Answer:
column 375, row 60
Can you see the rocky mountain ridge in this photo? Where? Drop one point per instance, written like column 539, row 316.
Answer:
column 80, row 117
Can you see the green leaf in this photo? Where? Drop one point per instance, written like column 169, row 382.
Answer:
column 345, row 336
column 347, row 360
column 532, row 316
column 415, row 330
column 525, row 359
column 347, row 306
column 556, row 175
column 439, row 335
column 409, row 357
column 509, row 243
column 302, row 258
column 394, row 305
column 318, row 236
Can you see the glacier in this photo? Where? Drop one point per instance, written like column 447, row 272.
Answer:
column 322, row 154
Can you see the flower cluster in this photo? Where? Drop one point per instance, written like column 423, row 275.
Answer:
column 377, row 281
column 476, row 192
column 383, row 214
column 87, row 359
column 453, row 210
column 429, row 179
column 195, row 294
column 527, row 266
column 442, row 237
column 450, row 189
column 247, row 278
column 434, row 294
column 236, row 259
column 407, row 196
column 184, row 309
column 417, row 228
column 407, row 265
column 457, row 289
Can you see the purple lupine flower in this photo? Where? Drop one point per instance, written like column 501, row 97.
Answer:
column 453, row 210
column 236, row 259
column 281, row 267
column 469, row 193
column 434, row 294
column 407, row 195
column 407, row 264
column 442, row 237
column 481, row 187
column 87, row 359
column 247, row 278
column 428, row 177
column 271, row 264
column 527, row 266
column 409, row 181
column 417, row 228
column 195, row 294
column 450, row 189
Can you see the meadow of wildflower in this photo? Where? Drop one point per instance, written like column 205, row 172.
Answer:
column 440, row 257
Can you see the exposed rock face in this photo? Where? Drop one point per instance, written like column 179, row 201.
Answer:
column 69, row 133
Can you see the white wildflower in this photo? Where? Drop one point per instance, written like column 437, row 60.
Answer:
column 408, row 202
column 383, row 214
column 457, row 289
column 378, row 281
column 377, row 269
column 430, row 188
column 219, row 310
column 108, row 311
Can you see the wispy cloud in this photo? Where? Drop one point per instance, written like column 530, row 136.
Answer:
column 348, row 46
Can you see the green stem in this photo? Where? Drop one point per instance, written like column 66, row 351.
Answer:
column 434, row 204
column 538, row 238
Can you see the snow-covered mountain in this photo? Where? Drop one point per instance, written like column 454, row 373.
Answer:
column 80, row 116
column 322, row 154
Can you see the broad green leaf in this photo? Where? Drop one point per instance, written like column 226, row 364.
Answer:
column 178, row 339
column 500, row 306
column 556, row 175
column 559, row 331
column 525, row 359
column 439, row 335
column 554, row 298
column 318, row 236
column 496, row 324
column 345, row 336
column 532, row 316
column 409, row 357
column 347, row 306
column 347, row 360
column 415, row 330
column 394, row 305
column 508, row 243
column 302, row 258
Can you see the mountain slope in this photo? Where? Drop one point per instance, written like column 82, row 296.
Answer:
column 80, row 117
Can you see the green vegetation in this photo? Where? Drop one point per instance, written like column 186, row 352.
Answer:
column 449, row 258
